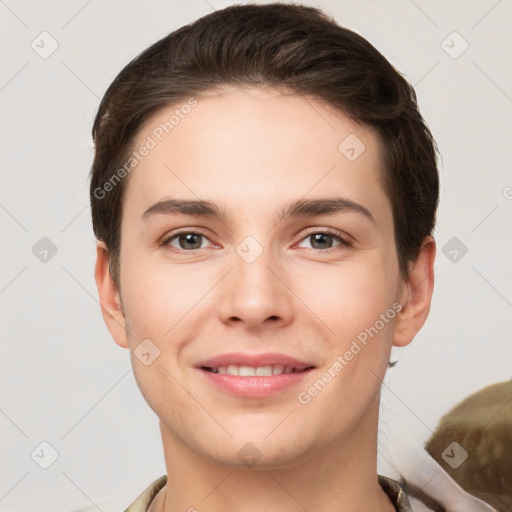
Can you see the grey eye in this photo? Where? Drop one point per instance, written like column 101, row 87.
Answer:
column 321, row 240
column 187, row 241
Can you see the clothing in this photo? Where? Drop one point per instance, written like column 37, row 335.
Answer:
column 390, row 487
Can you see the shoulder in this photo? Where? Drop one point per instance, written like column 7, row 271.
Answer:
column 145, row 498
column 406, row 499
column 396, row 493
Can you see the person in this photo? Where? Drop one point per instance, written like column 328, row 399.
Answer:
column 264, row 193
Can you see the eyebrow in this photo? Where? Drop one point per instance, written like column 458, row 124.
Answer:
column 298, row 208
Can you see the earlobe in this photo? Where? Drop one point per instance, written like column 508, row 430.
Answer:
column 110, row 299
column 417, row 294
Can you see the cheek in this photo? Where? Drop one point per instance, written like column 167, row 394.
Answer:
column 158, row 312
column 348, row 299
column 159, row 297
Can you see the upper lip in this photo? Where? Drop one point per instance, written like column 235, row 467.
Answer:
column 253, row 360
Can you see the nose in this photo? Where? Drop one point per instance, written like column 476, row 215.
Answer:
column 256, row 293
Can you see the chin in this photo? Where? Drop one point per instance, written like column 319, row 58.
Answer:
column 256, row 457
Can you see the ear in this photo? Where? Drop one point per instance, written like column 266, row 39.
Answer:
column 110, row 299
column 416, row 295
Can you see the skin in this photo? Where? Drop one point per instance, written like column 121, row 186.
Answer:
column 252, row 151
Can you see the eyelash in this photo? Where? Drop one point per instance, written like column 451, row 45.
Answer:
column 346, row 242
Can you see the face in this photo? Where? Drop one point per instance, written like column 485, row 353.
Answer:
column 269, row 305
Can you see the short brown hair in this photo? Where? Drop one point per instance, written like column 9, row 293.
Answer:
column 276, row 45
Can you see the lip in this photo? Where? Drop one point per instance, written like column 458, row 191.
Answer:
column 253, row 387
column 240, row 359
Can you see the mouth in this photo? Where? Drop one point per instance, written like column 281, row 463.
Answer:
column 258, row 371
column 253, row 376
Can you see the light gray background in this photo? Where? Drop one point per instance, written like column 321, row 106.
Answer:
column 64, row 381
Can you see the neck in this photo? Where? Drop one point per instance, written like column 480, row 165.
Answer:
column 337, row 476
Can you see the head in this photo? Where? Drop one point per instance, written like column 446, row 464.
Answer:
column 261, row 111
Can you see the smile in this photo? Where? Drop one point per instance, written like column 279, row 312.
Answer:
column 259, row 371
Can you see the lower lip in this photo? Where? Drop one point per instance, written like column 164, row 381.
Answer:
column 254, row 387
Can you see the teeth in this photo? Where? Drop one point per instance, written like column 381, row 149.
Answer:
column 263, row 371
column 243, row 371
column 278, row 369
column 260, row 371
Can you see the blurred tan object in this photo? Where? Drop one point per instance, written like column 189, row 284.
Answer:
column 473, row 444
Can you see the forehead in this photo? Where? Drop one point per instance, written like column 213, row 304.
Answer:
column 254, row 146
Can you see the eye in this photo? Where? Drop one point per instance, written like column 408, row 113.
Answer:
column 189, row 241
column 186, row 241
column 324, row 240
